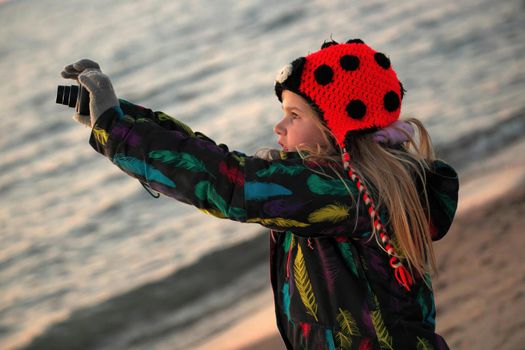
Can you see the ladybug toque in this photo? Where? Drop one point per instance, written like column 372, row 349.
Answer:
column 353, row 87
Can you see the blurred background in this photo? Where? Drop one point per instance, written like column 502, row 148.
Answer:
column 89, row 260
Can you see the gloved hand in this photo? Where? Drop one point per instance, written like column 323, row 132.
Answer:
column 101, row 93
column 72, row 71
column 391, row 135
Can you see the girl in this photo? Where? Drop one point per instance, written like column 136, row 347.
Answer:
column 353, row 200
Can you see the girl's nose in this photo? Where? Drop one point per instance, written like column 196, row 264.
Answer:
column 279, row 129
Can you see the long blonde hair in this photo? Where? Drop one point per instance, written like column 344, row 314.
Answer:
column 390, row 175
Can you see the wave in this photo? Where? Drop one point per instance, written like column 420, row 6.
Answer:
column 483, row 142
column 168, row 306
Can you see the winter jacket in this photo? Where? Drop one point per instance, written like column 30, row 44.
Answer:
column 333, row 286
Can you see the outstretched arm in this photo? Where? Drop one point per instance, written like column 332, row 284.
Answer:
column 169, row 157
column 283, row 194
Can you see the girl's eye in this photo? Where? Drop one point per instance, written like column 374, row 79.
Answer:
column 295, row 115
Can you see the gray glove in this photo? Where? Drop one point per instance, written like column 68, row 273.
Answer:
column 101, row 94
column 73, row 70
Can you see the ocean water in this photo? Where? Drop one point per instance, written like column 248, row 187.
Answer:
column 87, row 258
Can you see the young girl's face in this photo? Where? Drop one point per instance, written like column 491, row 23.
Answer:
column 298, row 124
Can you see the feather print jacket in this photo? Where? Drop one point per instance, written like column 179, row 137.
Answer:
column 333, row 286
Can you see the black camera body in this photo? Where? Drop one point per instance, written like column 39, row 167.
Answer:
column 75, row 96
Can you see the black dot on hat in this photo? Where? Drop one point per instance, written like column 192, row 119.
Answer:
column 391, row 101
column 355, row 41
column 356, row 109
column 349, row 62
column 323, row 74
column 328, row 44
column 382, row 60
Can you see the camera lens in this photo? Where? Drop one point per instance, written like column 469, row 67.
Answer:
column 74, row 96
column 65, row 100
column 60, row 94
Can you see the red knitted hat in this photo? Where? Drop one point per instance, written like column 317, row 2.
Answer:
column 353, row 87
column 355, row 90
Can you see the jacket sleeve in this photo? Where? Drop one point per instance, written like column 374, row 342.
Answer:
column 166, row 155
column 281, row 194
column 442, row 185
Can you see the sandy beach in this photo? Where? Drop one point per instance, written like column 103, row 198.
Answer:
column 480, row 290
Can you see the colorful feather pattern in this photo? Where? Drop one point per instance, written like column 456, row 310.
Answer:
column 343, row 342
column 282, row 207
column 239, row 158
column 127, row 134
column 423, row 344
column 348, row 329
column 305, row 330
column 366, row 344
column 330, row 267
column 286, row 300
column 287, row 241
column 100, row 135
column 278, row 222
column 278, row 168
column 124, row 117
column 427, row 315
column 347, row 323
column 181, row 160
column 384, row 337
column 180, row 125
column 258, row 191
column 142, row 120
column 141, row 168
column 236, row 213
column 448, row 204
column 205, row 191
column 329, row 339
column 303, row 284
column 233, row 174
column 319, row 185
column 422, row 303
column 366, row 319
column 348, row 256
column 213, row 212
column 207, row 145
column 332, row 213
